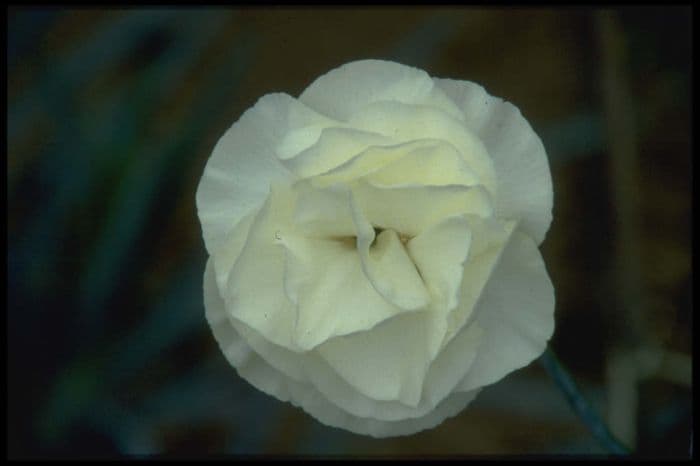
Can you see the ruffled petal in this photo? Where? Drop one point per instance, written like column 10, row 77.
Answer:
column 368, row 161
column 404, row 123
column 310, row 367
column 422, row 162
column 519, row 158
column 324, row 278
column 516, row 311
column 387, row 265
column 409, row 210
column 244, row 163
column 488, row 240
column 335, row 146
column 438, row 164
column 275, row 383
column 387, row 363
column 228, row 250
column 343, row 90
column 323, row 212
column 439, row 253
column 235, row 349
column 255, row 290
column 274, row 368
column 326, row 414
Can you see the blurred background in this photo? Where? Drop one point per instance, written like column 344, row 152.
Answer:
column 113, row 113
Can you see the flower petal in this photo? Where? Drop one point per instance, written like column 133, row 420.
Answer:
column 324, row 278
column 238, row 175
column 403, row 123
column 519, row 158
column 488, row 240
column 368, row 161
column 260, row 266
column 228, row 250
column 323, row 212
column 411, row 209
column 273, row 368
column 439, row 252
column 516, row 311
column 421, row 162
column 343, row 90
column 236, row 350
column 443, row 376
column 335, row 146
column 436, row 165
column 269, row 380
column 387, row 363
column 387, row 265
column 329, row 415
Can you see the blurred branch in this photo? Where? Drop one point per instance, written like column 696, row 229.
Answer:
column 579, row 404
column 624, row 178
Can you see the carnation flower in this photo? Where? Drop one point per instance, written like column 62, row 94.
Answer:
column 373, row 246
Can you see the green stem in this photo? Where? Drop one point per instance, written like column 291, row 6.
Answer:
column 579, row 404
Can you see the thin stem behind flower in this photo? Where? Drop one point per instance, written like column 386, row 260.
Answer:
column 580, row 405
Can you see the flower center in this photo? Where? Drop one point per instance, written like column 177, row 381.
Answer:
column 350, row 241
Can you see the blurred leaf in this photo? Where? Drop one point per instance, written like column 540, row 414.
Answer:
column 179, row 311
column 111, row 45
column 73, row 164
column 137, row 191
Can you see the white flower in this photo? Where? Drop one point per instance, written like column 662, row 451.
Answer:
column 374, row 246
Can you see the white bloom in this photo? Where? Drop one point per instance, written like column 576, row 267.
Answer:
column 373, row 246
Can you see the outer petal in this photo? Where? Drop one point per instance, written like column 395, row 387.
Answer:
column 234, row 348
column 387, row 363
column 330, row 415
column 255, row 289
column 261, row 375
column 443, row 375
column 286, row 387
column 519, row 158
column 488, row 240
column 352, row 86
column 343, row 90
column 228, row 250
column 516, row 311
column 238, row 175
